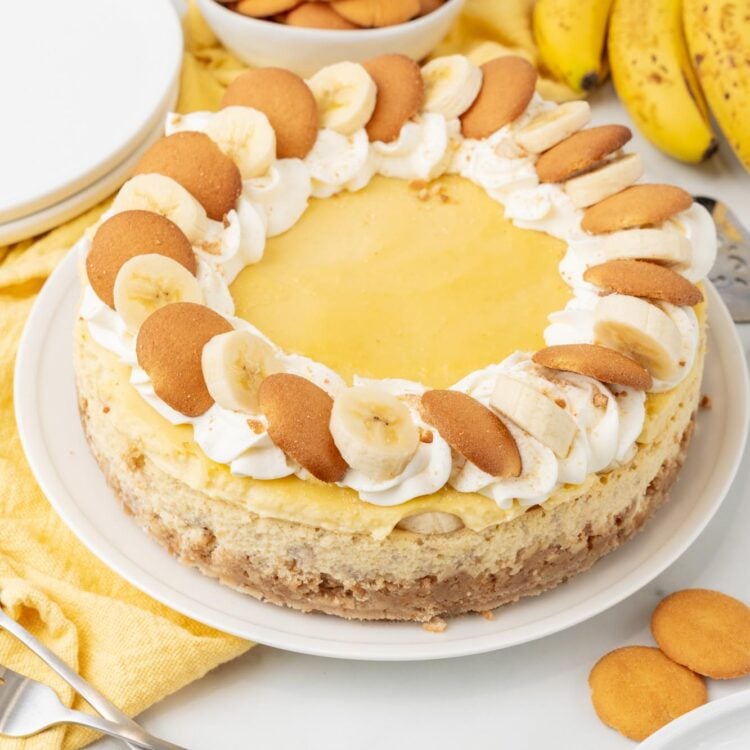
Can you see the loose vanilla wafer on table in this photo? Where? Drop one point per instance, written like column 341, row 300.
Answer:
column 706, row 631
column 637, row 690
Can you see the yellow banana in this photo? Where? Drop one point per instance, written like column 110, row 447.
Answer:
column 570, row 35
column 718, row 38
column 652, row 74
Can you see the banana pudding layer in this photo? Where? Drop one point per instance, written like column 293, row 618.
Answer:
column 389, row 282
column 434, row 329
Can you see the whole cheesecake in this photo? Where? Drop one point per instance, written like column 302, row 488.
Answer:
column 392, row 343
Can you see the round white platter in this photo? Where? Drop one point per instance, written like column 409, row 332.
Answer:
column 93, row 81
column 719, row 725
column 74, row 205
column 48, row 422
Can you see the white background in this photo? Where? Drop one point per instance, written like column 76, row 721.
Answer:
column 532, row 696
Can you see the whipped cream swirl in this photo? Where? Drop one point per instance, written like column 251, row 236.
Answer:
column 427, row 471
column 607, row 427
column 339, row 162
column 422, row 150
column 575, row 325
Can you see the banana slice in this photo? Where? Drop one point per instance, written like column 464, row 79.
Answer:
column 246, row 137
column 658, row 245
column 452, row 84
column 639, row 330
column 234, row 365
column 600, row 183
column 373, row 431
column 165, row 196
column 147, row 282
column 345, row 94
column 534, row 412
column 432, row 522
column 553, row 126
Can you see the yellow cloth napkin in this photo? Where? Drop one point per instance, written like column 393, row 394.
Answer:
column 133, row 649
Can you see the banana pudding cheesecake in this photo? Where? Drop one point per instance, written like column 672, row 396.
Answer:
column 392, row 342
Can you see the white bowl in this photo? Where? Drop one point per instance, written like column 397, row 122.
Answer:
column 261, row 43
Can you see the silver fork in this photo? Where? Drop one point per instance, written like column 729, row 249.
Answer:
column 28, row 707
column 87, row 691
column 731, row 272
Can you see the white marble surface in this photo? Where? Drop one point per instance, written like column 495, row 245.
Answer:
column 532, row 696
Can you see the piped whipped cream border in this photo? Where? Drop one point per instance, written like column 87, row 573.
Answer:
column 608, row 420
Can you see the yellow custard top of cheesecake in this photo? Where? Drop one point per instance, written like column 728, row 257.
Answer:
column 404, row 281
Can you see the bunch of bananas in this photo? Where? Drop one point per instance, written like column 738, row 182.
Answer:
column 673, row 62
column 667, row 58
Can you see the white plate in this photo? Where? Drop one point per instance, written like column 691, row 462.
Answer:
column 95, row 85
column 57, row 451
column 74, row 205
column 719, row 725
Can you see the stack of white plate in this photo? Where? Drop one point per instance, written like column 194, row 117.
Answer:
column 86, row 86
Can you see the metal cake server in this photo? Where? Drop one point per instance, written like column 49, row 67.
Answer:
column 28, row 707
column 731, row 272
column 90, row 694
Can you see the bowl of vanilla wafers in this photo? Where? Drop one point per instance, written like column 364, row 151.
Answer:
column 306, row 36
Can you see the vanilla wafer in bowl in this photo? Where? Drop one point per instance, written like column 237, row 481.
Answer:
column 307, row 35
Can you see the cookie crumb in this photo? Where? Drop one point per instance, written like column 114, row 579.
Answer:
column 134, row 459
column 600, row 400
column 435, row 625
column 256, row 426
column 417, row 184
column 212, row 248
column 105, row 409
column 561, row 402
column 425, row 436
column 488, row 615
column 705, row 402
